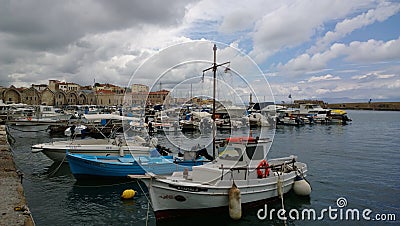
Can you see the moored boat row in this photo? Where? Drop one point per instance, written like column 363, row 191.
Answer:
column 180, row 182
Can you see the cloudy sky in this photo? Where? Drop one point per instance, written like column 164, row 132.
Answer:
column 306, row 48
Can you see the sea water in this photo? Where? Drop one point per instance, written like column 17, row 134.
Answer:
column 353, row 170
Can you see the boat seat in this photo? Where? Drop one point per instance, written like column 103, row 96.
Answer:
column 126, row 160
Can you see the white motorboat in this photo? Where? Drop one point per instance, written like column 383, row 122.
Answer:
column 102, row 147
column 258, row 120
column 206, row 188
column 166, row 127
column 38, row 115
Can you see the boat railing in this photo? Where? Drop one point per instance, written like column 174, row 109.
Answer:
column 279, row 167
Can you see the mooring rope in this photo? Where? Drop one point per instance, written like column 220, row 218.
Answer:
column 58, row 167
column 148, row 200
column 280, row 189
column 147, row 214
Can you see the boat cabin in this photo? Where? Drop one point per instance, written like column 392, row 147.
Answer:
column 245, row 152
column 312, row 109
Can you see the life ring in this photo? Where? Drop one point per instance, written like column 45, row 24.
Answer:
column 29, row 118
column 263, row 165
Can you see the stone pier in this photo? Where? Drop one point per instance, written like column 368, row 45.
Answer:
column 13, row 207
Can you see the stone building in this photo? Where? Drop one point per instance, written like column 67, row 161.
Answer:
column 138, row 95
column 12, row 95
column 158, row 97
column 109, row 87
column 40, row 87
column 64, row 86
column 47, row 97
column 31, row 96
column 60, row 98
column 60, row 94
column 109, row 98
column 139, row 88
column 87, row 97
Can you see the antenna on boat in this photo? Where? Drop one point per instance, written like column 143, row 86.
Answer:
column 214, row 68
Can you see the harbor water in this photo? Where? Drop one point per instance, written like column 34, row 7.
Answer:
column 352, row 169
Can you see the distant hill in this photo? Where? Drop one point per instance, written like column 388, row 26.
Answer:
column 334, row 100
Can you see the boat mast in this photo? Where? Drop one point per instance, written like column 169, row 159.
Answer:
column 214, row 68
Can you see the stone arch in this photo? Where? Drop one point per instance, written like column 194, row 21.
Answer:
column 72, row 98
column 12, row 95
column 82, row 99
column 91, row 99
column 48, row 97
column 60, row 98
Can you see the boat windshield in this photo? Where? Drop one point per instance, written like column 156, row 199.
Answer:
column 255, row 152
column 231, row 153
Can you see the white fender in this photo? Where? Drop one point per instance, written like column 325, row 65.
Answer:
column 235, row 206
column 301, row 187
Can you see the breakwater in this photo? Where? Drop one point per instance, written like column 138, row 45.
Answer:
column 13, row 208
column 377, row 106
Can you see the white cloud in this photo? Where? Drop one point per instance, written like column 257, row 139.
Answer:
column 373, row 76
column 79, row 41
column 289, row 25
column 395, row 84
column 318, row 61
column 327, row 77
column 373, row 50
column 322, row 91
column 382, row 11
column 369, row 51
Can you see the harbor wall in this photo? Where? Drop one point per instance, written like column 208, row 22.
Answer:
column 377, row 106
column 13, row 207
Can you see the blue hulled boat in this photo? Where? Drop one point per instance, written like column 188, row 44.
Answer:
column 82, row 165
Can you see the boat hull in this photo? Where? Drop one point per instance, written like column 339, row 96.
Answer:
column 177, row 199
column 83, row 166
column 37, row 122
column 57, row 153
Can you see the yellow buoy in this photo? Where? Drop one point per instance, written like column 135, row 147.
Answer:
column 128, row 194
column 235, row 206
